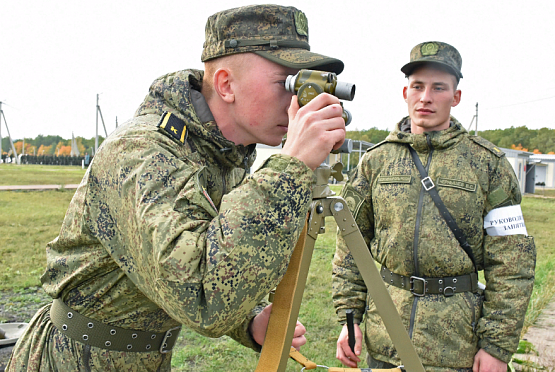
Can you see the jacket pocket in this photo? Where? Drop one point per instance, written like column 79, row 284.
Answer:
column 444, row 330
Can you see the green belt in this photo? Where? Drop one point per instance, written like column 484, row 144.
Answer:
column 95, row 333
column 418, row 286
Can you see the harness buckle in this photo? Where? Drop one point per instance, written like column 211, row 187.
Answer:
column 164, row 345
column 428, row 183
column 424, row 282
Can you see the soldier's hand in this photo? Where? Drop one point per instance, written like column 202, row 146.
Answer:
column 344, row 353
column 259, row 325
column 484, row 362
column 314, row 129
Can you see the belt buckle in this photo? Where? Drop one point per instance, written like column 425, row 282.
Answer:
column 412, row 279
column 167, row 335
column 428, row 183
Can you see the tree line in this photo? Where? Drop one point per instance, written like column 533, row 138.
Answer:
column 50, row 146
column 539, row 141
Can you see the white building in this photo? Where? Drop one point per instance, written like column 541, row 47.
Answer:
column 519, row 160
column 544, row 165
column 531, row 169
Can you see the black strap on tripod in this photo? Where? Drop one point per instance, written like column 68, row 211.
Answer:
column 429, row 186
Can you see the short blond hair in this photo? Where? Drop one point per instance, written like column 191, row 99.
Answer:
column 235, row 62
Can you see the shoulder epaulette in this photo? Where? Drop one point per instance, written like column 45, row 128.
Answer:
column 487, row 145
column 173, row 126
column 377, row 145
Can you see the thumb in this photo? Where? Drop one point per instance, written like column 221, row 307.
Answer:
column 293, row 108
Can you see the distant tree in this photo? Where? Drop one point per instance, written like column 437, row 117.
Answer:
column 80, row 146
column 372, row 135
column 542, row 139
column 18, row 146
column 45, row 150
column 64, row 150
column 519, row 147
column 46, row 140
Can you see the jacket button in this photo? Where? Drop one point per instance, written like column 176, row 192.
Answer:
column 400, row 135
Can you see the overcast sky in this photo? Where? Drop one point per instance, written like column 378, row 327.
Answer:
column 56, row 56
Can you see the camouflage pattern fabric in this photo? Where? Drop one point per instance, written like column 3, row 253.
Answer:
column 159, row 233
column 275, row 32
column 406, row 233
column 435, row 52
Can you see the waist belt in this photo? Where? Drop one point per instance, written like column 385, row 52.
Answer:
column 418, row 286
column 95, row 333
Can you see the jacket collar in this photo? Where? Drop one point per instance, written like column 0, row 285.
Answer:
column 420, row 142
column 179, row 93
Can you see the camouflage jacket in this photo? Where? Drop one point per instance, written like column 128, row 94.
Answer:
column 160, row 232
column 405, row 232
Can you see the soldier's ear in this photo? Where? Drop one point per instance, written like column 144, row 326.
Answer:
column 223, row 86
column 405, row 93
column 456, row 98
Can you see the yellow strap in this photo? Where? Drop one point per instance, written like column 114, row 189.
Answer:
column 301, row 359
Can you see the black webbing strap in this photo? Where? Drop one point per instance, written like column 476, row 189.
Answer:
column 429, row 186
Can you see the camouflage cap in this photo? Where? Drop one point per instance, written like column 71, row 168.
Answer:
column 435, row 52
column 277, row 33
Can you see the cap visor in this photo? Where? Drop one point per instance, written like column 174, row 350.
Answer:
column 409, row 67
column 302, row 59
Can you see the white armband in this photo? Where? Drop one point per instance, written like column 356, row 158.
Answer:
column 505, row 221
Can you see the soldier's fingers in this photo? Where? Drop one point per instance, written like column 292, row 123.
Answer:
column 299, row 329
column 343, row 358
column 358, row 338
column 344, row 352
column 298, row 342
column 321, row 101
column 293, row 108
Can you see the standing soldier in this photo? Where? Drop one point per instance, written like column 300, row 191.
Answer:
column 432, row 237
column 167, row 228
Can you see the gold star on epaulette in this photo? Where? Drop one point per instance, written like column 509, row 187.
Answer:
column 173, row 126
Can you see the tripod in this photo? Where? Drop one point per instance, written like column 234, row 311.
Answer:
column 289, row 292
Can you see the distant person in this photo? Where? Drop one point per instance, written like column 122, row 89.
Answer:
column 431, row 268
column 167, row 227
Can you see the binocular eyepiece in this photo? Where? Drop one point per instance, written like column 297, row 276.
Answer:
column 307, row 84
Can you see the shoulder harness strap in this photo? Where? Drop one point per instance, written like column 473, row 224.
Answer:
column 429, row 186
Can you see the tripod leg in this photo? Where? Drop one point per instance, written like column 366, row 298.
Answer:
column 285, row 309
column 374, row 283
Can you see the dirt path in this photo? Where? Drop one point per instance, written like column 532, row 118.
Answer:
column 542, row 336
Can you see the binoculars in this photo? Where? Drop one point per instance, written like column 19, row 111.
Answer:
column 307, row 84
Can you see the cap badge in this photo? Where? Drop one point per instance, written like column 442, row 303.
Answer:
column 301, row 23
column 429, row 49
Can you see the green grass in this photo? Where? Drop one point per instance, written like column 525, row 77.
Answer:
column 28, row 220
column 545, row 192
column 539, row 214
column 11, row 174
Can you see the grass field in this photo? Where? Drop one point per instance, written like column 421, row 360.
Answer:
column 11, row 174
column 28, row 220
